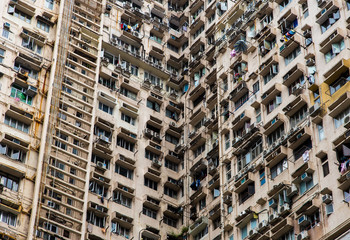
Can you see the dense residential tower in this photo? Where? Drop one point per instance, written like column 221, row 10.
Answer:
column 157, row 120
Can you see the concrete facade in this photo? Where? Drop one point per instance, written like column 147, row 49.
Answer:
column 174, row 120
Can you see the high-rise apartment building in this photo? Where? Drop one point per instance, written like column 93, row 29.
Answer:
column 178, row 119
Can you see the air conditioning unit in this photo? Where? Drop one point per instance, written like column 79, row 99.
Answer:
column 320, row 3
column 108, row 7
column 7, row 25
column 272, row 203
column 273, row 217
column 262, row 224
column 303, row 235
column 100, row 165
column 253, row 232
column 236, row 140
column 327, row 199
column 136, row 34
column 191, row 134
column 31, row 91
column 307, row 33
column 303, row 220
column 305, row 177
column 104, row 138
column 173, row 124
column 297, row 89
column 156, row 162
column 310, row 62
column 284, row 208
column 293, row 190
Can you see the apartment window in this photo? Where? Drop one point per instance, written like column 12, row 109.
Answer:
column 96, row 220
column 134, row 70
column 107, row 83
column 288, row 236
column 171, row 114
column 59, row 143
column 151, row 155
column 9, row 182
column 173, row 48
column 128, row 119
column 154, row 79
column 330, row 20
column 306, row 185
column 211, row 18
column 6, row 32
column 258, row 114
column 295, row 53
column 227, row 140
column 171, row 139
column 299, row 116
column 31, row 73
column 199, row 150
column 121, row 142
column 170, row 221
column 19, row 93
column 171, row 165
column 2, row 55
column 128, row 173
column 16, row 124
column 273, row 137
column 118, row 197
column 339, row 83
column 153, row 105
column 325, row 165
column 201, row 234
column 120, row 230
column 273, row 72
column 335, row 50
column 247, row 193
column 150, row 183
column 252, row 224
column 43, row 26
column 49, row 4
column 284, row 4
column 305, row 9
column 262, row 177
column 348, row 4
column 14, row 154
column 202, row 203
column 279, row 168
column 19, row 14
column 170, row 192
column 320, row 131
column 198, row 32
column 300, row 81
column 149, row 212
column 97, row 188
column 339, row 119
column 105, row 108
column 128, row 93
column 8, row 218
column 228, row 171
column 273, row 104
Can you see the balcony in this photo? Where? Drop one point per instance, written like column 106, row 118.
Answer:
column 295, row 105
column 215, row 212
column 243, row 182
column 334, row 37
column 239, row 91
column 293, row 74
column 265, row 67
column 271, row 93
column 214, row 182
column 103, row 144
column 339, row 105
column 125, row 161
column 276, row 156
column 299, row 137
column 331, row 6
column 198, row 226
column 241, row 120
column 281, row 228
column 124, row 221
column 272, row 125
